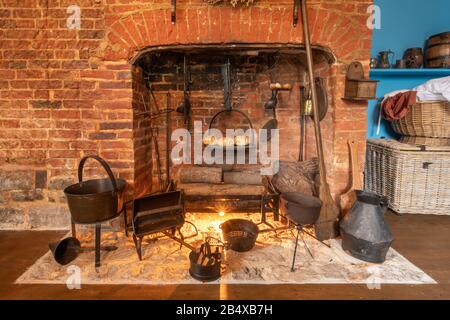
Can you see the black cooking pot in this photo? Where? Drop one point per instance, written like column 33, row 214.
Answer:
column 95, row 201
column 301, row 208
column 239, row 235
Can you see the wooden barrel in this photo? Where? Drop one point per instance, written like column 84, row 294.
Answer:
column 438, row 51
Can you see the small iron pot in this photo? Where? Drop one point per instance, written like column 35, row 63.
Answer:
column 239, row 235
column 301, row 208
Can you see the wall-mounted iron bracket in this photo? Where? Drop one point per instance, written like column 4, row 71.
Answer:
column 226, row 73
column 296, row 11
column 174, row 12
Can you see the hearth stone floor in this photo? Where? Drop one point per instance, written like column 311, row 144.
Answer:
column 269, row 262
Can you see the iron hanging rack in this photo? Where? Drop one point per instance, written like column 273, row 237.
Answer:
column 228, row 100
column 159, row 112
column 185, row 108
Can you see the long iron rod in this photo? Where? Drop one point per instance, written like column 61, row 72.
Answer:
column 168, row 125
column 295, row 251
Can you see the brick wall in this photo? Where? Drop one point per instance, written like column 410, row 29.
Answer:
column 142, row 133
column 68, row 93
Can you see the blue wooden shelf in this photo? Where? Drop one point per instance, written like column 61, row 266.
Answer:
column 409, row 72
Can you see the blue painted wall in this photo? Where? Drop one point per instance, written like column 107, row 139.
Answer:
column 404, row 24
column 408, row 23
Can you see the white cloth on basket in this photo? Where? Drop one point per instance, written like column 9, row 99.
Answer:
column 434, row 90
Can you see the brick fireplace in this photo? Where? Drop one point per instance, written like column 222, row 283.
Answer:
column 66, row 93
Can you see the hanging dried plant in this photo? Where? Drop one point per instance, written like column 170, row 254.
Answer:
column 234, row 3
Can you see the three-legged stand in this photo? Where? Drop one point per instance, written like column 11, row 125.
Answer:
column 300, row 231
column 98, row 238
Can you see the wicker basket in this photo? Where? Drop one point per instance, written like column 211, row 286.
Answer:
column 425, row 119
column 425, row 141
column 415, row 179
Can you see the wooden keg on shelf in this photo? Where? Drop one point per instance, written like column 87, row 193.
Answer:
column 438, row 51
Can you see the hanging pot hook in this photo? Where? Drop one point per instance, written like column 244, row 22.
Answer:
column 296, row 10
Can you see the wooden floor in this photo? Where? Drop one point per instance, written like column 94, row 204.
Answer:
column 424, row 240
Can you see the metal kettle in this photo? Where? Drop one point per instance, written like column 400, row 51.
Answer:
column 365, row 232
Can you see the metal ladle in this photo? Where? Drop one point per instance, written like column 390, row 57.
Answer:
column 271, row 104
column 273, row 101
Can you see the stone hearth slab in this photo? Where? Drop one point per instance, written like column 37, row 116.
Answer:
column 268, row 263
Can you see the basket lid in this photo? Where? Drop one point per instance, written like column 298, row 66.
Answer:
column 399, row 146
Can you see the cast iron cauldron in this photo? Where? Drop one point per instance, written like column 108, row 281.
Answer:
column 365, row 232
column 95, row 201
column 300, row 208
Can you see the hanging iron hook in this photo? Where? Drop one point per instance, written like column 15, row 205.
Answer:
column 296, row 10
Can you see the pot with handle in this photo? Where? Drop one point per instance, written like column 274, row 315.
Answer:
column 384, row 61
column 97, row 200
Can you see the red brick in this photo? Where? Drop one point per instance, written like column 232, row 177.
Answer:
column 193, row 22
column 151, row 27
column 203, row 23
column 115, row 84
column 97, row 74
column 115, row 125
column 182, row 26
column 122, row 33
column 235, row 25
column 65, row 154
column 15, row 84
column 30, row 74
column 225, row 23
column 275, row 26
column 130, row 26
column 139, row 21
column 64, row 134
column 172, row 28
column 75, row 64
